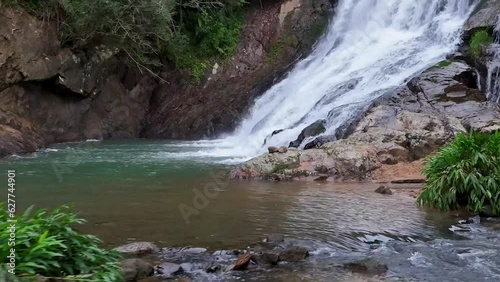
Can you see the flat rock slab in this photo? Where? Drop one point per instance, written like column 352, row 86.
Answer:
column 137, row 249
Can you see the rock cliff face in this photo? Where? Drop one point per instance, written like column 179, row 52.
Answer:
column 50, row 94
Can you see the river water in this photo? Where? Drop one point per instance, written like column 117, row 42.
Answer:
column 135, row 191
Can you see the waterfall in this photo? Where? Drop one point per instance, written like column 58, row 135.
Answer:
column 370, row 47
column 493, row 78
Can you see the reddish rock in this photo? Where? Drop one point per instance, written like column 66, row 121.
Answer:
column 282, row 149
column 244, row 174
column 242, row 262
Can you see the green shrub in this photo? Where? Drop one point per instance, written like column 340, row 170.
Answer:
column 190, row 33
column 47, row 244
column 465, row 173
column 205, row 36
column 477, row 42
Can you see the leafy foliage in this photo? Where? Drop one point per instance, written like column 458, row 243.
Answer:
column 477, row 42
column 189, row 33
column 47, row 244
column 466, row 173
column 205, row 35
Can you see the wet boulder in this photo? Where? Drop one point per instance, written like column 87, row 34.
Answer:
column 383, row 190
column 137, row 249
column 136, row 269
column 273, row 150
column 266, row 258
column 212, row 267
column 314, row 129
column 274, row 238
column 294, row 254
column 367, row 266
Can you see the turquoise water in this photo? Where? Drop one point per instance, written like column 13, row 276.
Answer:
column 138, row 190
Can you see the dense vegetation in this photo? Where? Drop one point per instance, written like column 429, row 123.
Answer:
column 190, row 33
column 478, row 41
column 47, row 244
column 465, row 173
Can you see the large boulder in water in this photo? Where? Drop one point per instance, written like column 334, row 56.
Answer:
column 314, row 129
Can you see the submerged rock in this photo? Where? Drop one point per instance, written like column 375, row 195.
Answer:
column 194, row 250
column 136, row 269
column 137, row 249
column 367, row 266
column 213, row 267
column 168, row 269
column 266, row 258
column 274, row 238
column 383, row 190
column 294, row 254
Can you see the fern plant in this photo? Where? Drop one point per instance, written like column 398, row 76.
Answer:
column 465, row 173
column 47, row 244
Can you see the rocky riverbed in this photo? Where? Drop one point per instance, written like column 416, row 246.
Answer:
column 470, row 253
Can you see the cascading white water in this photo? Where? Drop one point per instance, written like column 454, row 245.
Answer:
column 370, row 47
column 493, row 78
